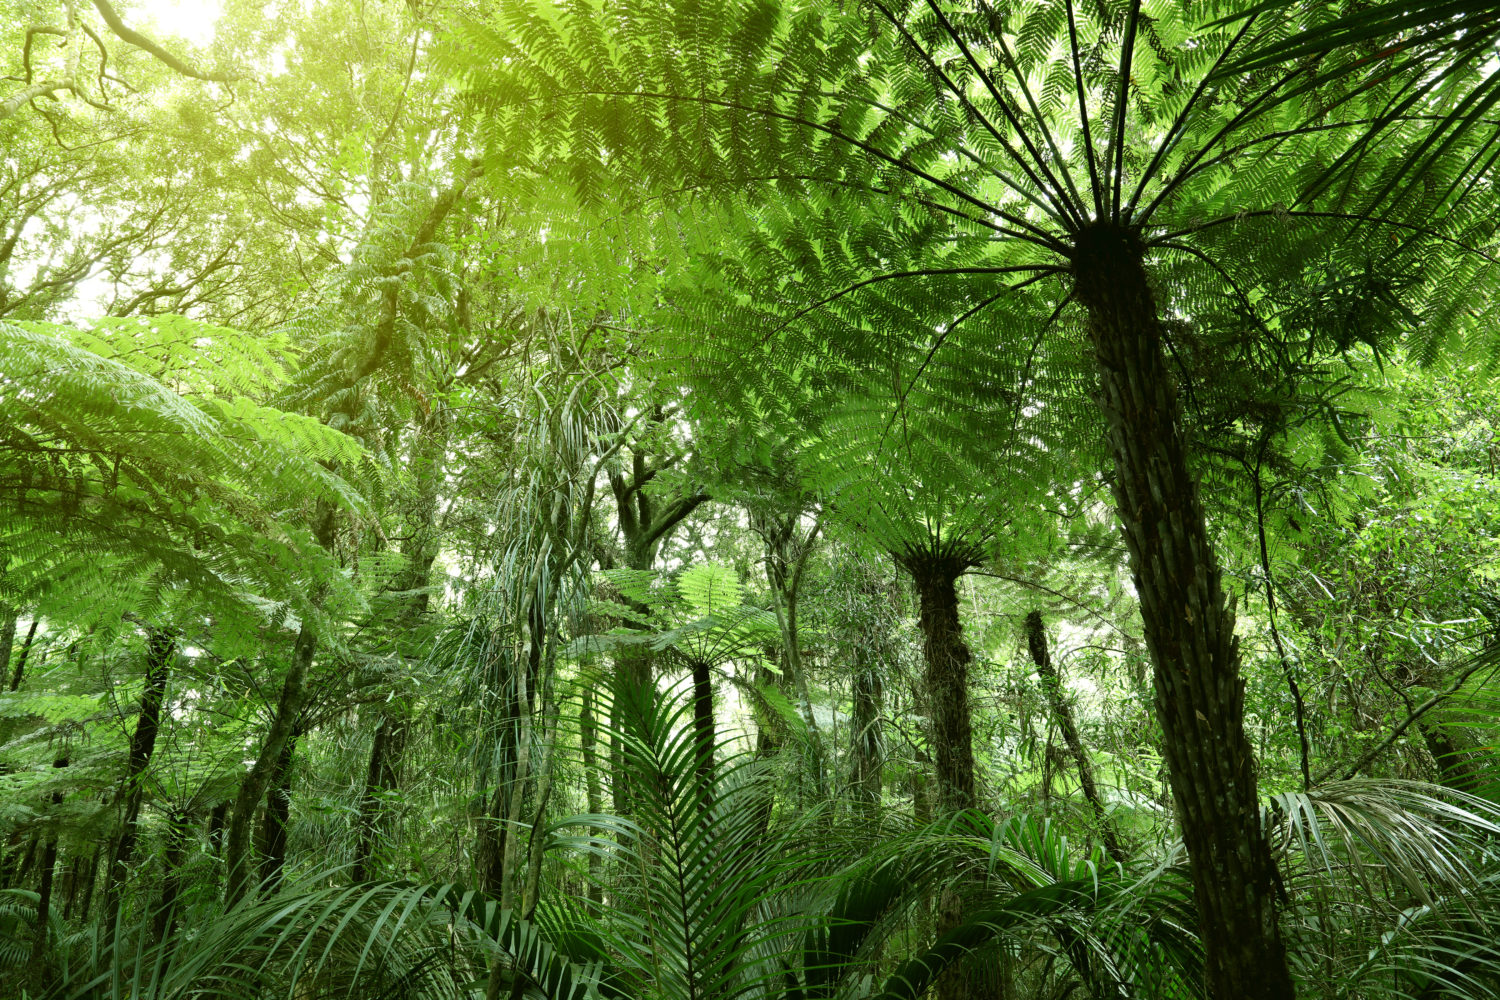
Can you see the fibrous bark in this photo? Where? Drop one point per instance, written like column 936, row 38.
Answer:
column 947, row 675
column 1188, row 626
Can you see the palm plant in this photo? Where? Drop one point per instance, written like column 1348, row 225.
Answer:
column 918, row 178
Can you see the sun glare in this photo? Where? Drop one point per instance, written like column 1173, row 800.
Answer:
column 191, row 20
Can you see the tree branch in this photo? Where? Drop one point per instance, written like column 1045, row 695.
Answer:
column 1489, row 658
column 140, row 41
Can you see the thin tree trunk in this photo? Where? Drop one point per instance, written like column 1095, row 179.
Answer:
column 386, row 753
column 178, row 827
column 86, row 904
column 278, row 811
column 8, row 617
column 588, row 727
column 1189, row 628
column 1036, row 642
column 703, row 724
column 161, row 646
column 253, row 785
column 15, row 678
column 41, row 969
column 867, row 741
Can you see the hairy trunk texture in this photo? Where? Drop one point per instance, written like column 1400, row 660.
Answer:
column 947, row 677
column 161, row 646
column 1189, row 628
column 42, row 969
column 947, row 696
column 1455, row 769
column 1036, row 642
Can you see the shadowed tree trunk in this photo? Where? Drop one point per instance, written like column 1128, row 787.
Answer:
column 253, row 786
column 1189, row 628
column 703, row 723
column 161, row 647
column 1036, row 642
column 41, row 969
column 273, row 828
column 179, row 825
column 947, row 675
column 588, row 729
column 643, row 528
column 15, row 678
column 8, row 616
column 867, row 741
column 420, row 547
column 946, row 679
column 1455, row 769
column 383, row 775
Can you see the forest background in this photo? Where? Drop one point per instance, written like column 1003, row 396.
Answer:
column 717, row 499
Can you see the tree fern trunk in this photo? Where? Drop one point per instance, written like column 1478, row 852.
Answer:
column 1036, row 642
column 15, row 678
column 278, row 812
column 947, row 677
column 588, row 729
column 253, row 785
column 165, row 917
column 8, row 616
column 703, row 724
column 160, row 648
column 947, row 694
column 1189, row 629
column 383, row 775
column 867, row 742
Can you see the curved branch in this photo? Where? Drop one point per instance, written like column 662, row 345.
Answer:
column 1488, row 659
column 140, row 41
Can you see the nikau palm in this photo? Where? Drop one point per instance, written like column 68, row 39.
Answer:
column 909, row 178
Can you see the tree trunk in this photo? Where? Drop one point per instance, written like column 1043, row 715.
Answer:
column 947, row 695
column 703, row 725
column 947, row 676
column 278, row 812
column 8, row 616
column 41, row 969
column 253, row 785
column 161, row 646
column 1036, row 642
column 178, row 827
column 588, row 727
column 1455, row 769
column 86, row 904
column 1189, row 629
column 15, row 678
column 420, row 547
column 867, row 741
column 382, row 776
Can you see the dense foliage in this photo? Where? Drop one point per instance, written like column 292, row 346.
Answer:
column 722, row 499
